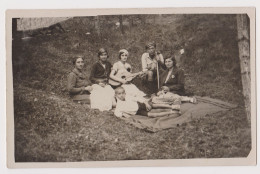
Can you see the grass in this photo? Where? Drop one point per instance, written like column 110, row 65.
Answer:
column 50, row 127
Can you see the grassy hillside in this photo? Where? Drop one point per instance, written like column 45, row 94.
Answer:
column 49, row 127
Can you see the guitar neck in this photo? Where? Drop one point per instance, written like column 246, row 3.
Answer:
column 136, row 74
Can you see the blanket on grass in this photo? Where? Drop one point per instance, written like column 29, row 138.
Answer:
column 189, row 112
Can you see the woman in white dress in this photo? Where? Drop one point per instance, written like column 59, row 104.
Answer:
column 121, row 74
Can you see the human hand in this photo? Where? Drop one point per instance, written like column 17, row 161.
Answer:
column 148, row 106
column 159, row 93
column 143, row 74
column 149, row 66
column 88, row 88
column 129, row 79
column 126, row 115
column 123, row 81
column 157, row 58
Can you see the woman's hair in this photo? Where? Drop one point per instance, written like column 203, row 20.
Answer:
column 121, row 52
column 74, row 58
column 172, row 57
column 102, row 50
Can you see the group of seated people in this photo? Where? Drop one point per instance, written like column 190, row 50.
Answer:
column 110, row 86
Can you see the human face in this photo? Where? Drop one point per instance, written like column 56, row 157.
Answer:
column 120, row 94
column 123, row 57
column 103, row 57
column 168, row 63
column 151, row 51
column 79, row 64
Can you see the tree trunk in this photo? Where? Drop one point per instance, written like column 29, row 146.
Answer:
column 97, row 26
column 244, row 56
column 14, row 28
column 132, row 20
column 121, row 24
column 143, row 19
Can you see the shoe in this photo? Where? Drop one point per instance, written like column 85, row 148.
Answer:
column 194, row 100
column 176, row 107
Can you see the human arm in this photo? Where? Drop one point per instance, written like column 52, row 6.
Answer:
column 88, row 88
column 160, row 61
column 148, row 106
column 118, row 112
column 126, row 115
column 141, row 100
column 144, row 62
column 113, row 102
column 118, row 79
column 92, row 74
column 159, row 93
column 72, row 79
column 71, row 85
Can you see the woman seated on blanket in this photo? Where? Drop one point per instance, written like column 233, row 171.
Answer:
column 127, row 106
column 102, row 96
column 121, row 75
column 78, row 85
column 172, row 79
column 102, row 68
column 172, row 85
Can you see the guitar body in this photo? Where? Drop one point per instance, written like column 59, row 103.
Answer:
column 123, row 75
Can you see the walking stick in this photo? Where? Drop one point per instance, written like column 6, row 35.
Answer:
column 158, row 77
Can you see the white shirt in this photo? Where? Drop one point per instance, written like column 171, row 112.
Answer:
column 146, row 60
column 119, row 66
column 104, row 66
column 132, row 90
column 168, row 76
column 128, row 106
column 102, row 97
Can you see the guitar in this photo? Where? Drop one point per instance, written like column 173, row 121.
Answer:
column 124, row 75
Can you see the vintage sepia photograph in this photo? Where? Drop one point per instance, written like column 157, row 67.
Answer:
column 141, row 85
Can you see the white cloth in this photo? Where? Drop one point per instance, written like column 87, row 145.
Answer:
column 119, row 66
column 128, row 106
column 132, row 90
column 170, row 98
column 147, row 61
column 102, row 97
column 168, row 76
column 104, row 66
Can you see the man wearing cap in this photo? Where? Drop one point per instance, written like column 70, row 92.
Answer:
column 150, row 59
